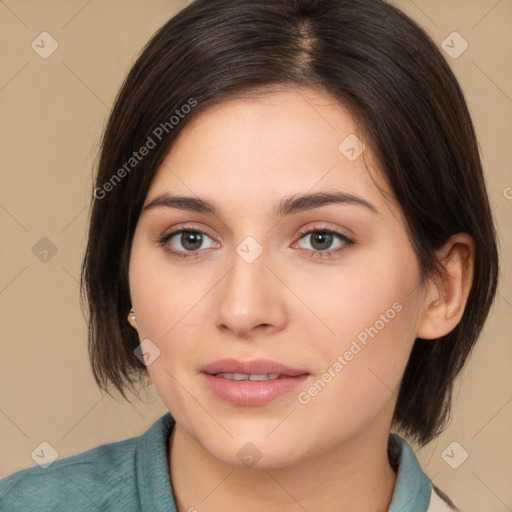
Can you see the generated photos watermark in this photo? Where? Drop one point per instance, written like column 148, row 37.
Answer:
column 151, row 142
column 356, row 346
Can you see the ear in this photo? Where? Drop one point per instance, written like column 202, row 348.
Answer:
column 446, row 297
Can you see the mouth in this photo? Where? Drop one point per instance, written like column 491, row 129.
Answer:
column 251, row 383
column 256, row 367
column 245, row 376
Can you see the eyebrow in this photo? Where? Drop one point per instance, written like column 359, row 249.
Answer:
column 287, row 206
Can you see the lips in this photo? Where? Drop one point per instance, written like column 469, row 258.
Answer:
column 254, row 367
column 251, row 383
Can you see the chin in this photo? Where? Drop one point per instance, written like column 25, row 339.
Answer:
column 255, row 455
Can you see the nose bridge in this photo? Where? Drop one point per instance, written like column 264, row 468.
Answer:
column 247, row 299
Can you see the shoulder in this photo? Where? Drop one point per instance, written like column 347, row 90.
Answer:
column 87, row 481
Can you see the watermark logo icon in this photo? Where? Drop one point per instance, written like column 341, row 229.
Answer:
column 147, row 352
column 45, row 455
column 44, row 250
column 351, row 147
column 454, row 455
column 249, row 249
column 249, row 455
column 44, row 45
column 454, row 45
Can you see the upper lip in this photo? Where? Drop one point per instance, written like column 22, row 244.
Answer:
column 256, row 366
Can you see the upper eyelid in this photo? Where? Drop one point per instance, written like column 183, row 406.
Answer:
column 307, row 231
column 181, row 229
column 302, row 232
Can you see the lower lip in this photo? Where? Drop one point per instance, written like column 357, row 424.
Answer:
column 252, row 393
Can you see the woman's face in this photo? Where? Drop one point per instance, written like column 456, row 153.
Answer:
column 333, row 313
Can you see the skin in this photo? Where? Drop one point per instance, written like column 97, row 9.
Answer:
column 304, row 311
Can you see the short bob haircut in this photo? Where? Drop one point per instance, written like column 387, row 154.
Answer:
column 372, row 59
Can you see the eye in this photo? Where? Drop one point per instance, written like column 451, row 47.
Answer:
column 191, row 239
column 322, row 240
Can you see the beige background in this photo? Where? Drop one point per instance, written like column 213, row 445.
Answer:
column 53, row 113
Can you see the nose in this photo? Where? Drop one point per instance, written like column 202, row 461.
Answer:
column 250, row 299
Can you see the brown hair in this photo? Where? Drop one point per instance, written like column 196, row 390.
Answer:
column 375, row 61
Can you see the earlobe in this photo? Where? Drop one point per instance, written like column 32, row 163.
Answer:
column 131, row 319
column 446, row 298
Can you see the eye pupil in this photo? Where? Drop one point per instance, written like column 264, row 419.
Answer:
column 193, row 237
column 324, row 239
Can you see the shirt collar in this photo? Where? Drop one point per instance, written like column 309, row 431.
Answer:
column 151, row 467
column 412, row 488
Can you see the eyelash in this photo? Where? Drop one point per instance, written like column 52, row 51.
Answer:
column 347, row 242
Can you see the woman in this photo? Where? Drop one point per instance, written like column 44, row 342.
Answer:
column 290, row 208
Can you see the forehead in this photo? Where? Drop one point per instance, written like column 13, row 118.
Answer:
column 250, row 152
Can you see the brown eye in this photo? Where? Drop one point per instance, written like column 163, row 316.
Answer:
column 190, row 240
column 322, row 240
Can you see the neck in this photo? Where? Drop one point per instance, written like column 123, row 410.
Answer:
column 354, row 476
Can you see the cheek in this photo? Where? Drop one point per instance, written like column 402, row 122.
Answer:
column 361, row 371
column 159, row 305
column 162, row 297
column 371, row 313
column 371, row 297
column 170, row 311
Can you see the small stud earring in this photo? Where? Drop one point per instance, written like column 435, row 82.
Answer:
column 131, row 314
column 435, row 304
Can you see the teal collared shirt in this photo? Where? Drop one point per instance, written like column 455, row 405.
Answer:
column 133, row 476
